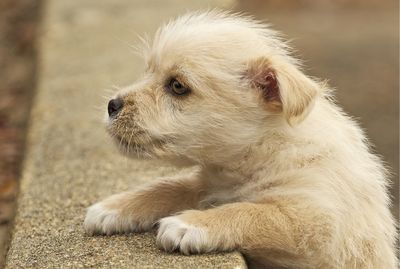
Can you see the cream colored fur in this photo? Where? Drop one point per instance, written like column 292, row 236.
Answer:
column 288, row 179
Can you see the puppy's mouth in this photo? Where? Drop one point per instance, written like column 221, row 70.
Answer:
column 136, row 147
column 131, row 139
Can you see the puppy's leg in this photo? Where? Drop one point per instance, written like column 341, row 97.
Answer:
column 137, row 211
column 269, row 231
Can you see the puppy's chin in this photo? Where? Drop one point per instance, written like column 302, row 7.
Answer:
column 138, row 144
column 155, row 150
column 136, row 150
column 129, row 147
column 132, row 150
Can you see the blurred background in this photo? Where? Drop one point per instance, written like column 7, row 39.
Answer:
column 352, row 43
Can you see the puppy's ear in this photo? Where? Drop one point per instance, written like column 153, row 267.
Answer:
column 283, row 87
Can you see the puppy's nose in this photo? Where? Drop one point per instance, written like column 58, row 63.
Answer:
column 114, row 106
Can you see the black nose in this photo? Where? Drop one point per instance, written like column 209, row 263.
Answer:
column 114, row 106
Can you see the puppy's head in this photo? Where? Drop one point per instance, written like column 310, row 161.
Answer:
column 214, row 84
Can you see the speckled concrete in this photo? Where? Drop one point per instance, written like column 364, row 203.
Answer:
column 70, row 162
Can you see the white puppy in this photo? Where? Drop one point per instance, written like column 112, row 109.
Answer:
column 285, row 176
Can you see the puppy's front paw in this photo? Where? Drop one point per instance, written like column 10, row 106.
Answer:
column 175, row 234
column 101, row 219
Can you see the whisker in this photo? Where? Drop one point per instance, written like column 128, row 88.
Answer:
column 130, row 140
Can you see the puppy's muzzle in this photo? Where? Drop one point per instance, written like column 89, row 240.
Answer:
column 114, row 106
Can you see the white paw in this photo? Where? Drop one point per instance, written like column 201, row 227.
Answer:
column 175, row 234
column 100, row 220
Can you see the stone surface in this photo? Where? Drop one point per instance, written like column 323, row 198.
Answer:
column 70, row 161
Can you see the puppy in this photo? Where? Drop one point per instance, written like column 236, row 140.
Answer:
column 284, row 175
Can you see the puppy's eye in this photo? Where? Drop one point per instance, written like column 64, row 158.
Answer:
column 177, row 88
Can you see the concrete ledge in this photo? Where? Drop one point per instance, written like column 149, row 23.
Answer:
column 69, row 163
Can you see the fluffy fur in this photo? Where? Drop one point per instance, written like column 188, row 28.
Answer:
column 284, row 175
